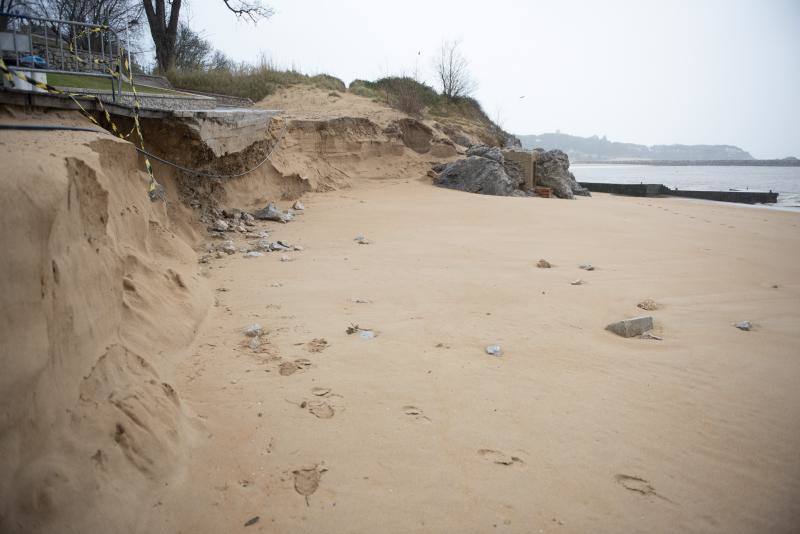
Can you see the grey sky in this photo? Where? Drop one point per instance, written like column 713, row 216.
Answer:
column 716, row 72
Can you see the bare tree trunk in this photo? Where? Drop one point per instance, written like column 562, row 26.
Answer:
column 164, row 30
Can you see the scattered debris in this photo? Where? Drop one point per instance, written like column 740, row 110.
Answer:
column 577, row 282
column 352, row 329
column 494, row 350
column 744, row 325
column 632, row 327
column 219, row 226
column 298, row 248
column 254, row 330
column 586, row 267
column 227, row 246
column 361, row 301
column 648, row 304
column 252, row 521
column 543, row 264
column 306, row 480
column 650, row 335
column 272, row 213
column 361, row 240
column 286, row 258
column 276, row 284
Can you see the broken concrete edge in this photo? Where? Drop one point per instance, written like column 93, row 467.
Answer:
column 633, row 327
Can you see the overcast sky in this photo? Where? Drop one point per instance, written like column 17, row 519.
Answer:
column 674, row 71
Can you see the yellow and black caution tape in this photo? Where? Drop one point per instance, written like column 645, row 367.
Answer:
column 156, row 191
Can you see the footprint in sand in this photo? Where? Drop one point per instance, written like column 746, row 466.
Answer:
column 320, row 409
column 306, row 480
column 415, row 413
column 317, row 345
column 638, row 485
column 287, row 368
column 499, row 457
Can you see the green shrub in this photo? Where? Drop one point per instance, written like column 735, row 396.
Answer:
column 249, row 81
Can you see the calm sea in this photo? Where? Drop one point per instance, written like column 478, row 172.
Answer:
column 784, row 180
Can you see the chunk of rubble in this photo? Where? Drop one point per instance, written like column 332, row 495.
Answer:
column 272, row 213
column 744, row 325
column 586, row 267
column 219, row 226
column 650, row 335
column 648, row 304
column 577, row 282
column 361, row 240
column 252, row 254
column 254, row 330
column 543, row 264
column 632, row 327
column 494, row 350
column 298, row 206
column 227, row 246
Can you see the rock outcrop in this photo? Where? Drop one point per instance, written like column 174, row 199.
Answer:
column 490, row 152
column 552, row 170
column 476, row 174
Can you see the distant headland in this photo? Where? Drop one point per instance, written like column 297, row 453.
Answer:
column 600, row 150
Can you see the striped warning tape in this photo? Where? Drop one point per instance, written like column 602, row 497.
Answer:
column 155, row 191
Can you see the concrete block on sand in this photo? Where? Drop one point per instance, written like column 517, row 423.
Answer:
column 632, row 327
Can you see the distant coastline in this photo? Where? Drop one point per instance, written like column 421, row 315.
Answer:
column 788, row 162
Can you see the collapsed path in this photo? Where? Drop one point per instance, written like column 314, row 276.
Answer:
column 571, row 429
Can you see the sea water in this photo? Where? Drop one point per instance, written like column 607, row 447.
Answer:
column 783, row 180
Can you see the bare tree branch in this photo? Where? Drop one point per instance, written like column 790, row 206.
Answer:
column 252, row 10
column 452, row 71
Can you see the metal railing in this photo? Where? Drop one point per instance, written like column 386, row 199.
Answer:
column 64, row 46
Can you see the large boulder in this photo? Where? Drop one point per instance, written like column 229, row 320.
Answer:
column 491, row 152
column 476, row 174
column 552, row 170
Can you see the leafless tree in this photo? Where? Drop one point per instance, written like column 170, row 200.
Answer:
column 11, row 6
column 163, row 17
column 192, row 51
column 452, row 71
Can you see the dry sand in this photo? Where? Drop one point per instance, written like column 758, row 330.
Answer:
column 572, row 429
column 130, row 403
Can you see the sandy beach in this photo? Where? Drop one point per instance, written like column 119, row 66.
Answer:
column 572, row 429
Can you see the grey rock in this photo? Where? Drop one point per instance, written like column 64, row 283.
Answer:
column 477, row 175
column 361, row 240
column 255, row 343
column 632, row 327
column 254, row 330
column 227, row 246
column 577, row 282
column 248, row 218
column 494, row 350
column 484, row 151
column 552, row 170
column 586, row 267
column 366, row 334
column 298, row 206
column 220, row 226
column 272, row 213
column 744, row 325
column 252, row 254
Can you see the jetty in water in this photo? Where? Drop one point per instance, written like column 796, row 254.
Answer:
column 655, row 190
